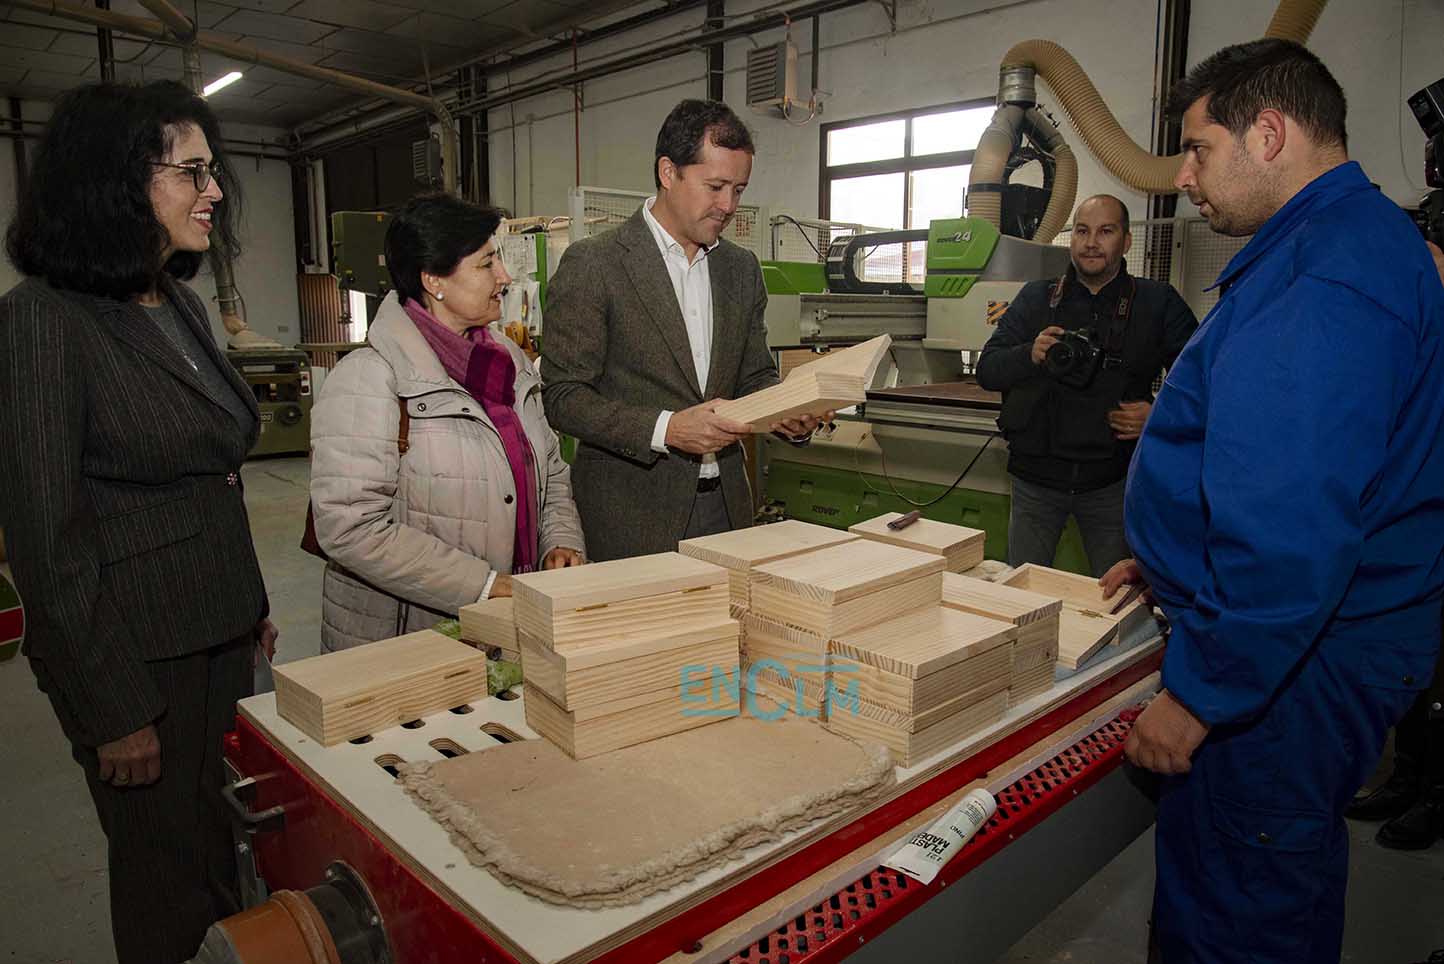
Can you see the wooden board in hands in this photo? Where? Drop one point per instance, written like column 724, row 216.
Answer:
column 960, row 546
column 1085, row 624
column 846, row 587
column 835, row 380
column 740, row 550
column 354, row 692
column 647, row 595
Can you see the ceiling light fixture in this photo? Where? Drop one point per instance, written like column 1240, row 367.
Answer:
column 225, row 81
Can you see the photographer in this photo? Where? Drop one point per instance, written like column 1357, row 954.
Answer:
column 1075, row 359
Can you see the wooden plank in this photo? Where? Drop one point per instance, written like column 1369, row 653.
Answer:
column 338, row 696
column 1031, row 683
column 860, row 360
column 626, row 722
column 739, row 550
column 838, row 573
column 833, row 620
column 490, row 623
column 910, row 697
column 833, row 381
column 910, row 748
column 778, row 634
column 960, row 546
column 553, row 591
column 1085, row 624
column 604, row 674
column 646, row 616
column 924, row 641
column 998, row 601
column 1031, row 657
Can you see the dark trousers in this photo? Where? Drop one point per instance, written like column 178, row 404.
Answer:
column 709, row 515
column 1251, row 848
column 172, row 867
column 1038, row 515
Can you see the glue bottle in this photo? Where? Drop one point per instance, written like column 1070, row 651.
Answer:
column 923, row 856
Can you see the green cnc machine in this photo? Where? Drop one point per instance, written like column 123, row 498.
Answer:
column 925, row 420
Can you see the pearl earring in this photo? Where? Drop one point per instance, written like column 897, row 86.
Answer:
column 441, row 296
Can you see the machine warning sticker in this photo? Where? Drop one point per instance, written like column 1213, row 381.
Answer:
column 996, row 310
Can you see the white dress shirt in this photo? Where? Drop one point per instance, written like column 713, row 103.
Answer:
column 692, row 283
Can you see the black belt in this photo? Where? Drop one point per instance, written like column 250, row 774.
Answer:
column 709, row 484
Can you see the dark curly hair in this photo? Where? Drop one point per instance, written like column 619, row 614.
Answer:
column 85, row 222
column 432, row 233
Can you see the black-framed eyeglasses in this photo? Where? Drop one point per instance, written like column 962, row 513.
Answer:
column 201, row 174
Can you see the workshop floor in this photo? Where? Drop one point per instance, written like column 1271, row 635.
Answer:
column 53, row 903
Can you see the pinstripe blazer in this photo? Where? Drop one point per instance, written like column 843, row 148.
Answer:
column 615, row 353
column 120, row 499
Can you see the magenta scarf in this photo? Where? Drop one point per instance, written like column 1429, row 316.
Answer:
column 485, row 369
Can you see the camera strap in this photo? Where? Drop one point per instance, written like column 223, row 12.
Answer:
column 1122, row 314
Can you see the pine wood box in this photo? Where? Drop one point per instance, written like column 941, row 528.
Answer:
column 960, row 546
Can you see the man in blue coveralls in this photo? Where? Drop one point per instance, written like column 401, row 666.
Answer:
column 1286, row 508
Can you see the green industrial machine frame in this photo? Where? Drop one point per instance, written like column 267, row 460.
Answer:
column 841, row 498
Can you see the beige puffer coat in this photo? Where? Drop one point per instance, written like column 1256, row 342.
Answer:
column 412, row 538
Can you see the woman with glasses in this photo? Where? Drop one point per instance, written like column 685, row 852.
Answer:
column 479, row 490
column 124, row 429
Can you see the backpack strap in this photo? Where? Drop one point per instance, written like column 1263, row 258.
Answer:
column 403, row 440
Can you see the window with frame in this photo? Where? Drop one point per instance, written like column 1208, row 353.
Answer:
column 899, row 171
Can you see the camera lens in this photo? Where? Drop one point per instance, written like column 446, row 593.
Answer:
column 1060, row 357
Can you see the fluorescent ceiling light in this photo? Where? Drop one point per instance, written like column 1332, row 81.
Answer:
column 225, row 81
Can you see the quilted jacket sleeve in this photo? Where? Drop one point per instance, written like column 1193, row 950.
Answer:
column 354, row 468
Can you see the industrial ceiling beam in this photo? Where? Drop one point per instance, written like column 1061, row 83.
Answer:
column 158, row 30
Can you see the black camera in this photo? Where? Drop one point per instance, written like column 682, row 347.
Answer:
column 1428, row 108
column 1074, row 359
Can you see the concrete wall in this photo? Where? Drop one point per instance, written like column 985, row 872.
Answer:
column 944, row 52
column 266, row 272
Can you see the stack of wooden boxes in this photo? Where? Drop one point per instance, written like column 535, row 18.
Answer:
column 1035, row 616
column 780, row 661
column 960, row 546
column 741, row 550
column 921, row 682
column 800, row 603
column 617, row 653
column 1086, row 624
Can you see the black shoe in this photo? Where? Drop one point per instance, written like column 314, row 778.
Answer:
column 1392, row 798
column 1436, row 958
column 1417, row 828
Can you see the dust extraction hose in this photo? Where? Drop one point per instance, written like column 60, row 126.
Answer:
column 1131, row 164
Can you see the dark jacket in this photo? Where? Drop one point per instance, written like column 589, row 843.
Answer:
column 1058, row 435
column 615, row 354
column 120, row 499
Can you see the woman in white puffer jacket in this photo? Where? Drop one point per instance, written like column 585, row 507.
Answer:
column 481, row 490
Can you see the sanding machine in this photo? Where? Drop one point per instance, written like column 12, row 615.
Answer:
column 340, row 866
column 927, row 437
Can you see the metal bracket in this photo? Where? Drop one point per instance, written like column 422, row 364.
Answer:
column 244, row 827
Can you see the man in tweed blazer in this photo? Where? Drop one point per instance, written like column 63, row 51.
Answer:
column 647, row 327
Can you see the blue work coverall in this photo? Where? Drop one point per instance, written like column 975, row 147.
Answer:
column 1286, row 504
